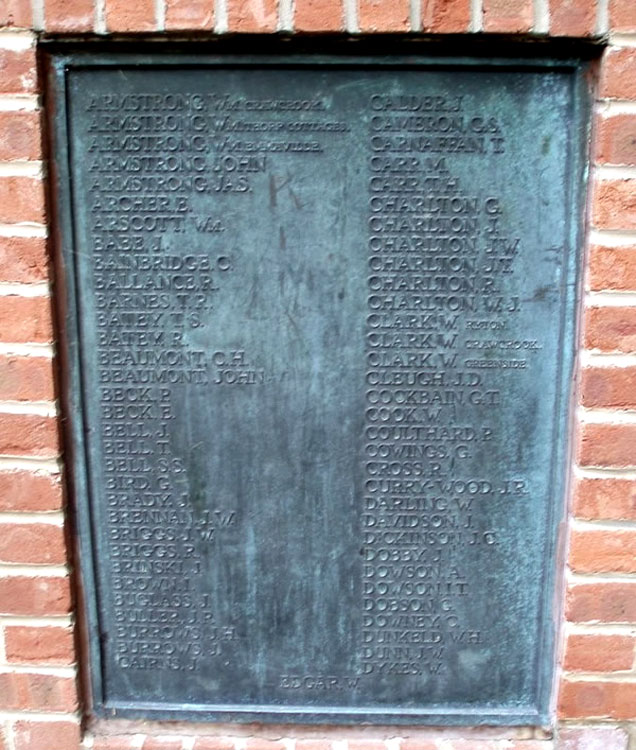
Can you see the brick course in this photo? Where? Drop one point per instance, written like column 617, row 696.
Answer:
column 49, row 735
column 383, row 15
column 599, row 653
column 622, row 15
column 21, row 200
column 26, row 319
column 126, row 16
column 28, row 435
column 20, row 136
column 115, row 743
column 49, row 644
column 37, row 692
column 603, row 551
column 26, row 378
column 189, row 14
column 608, row 445
column 612, row 700
column 605, row 499
column 609, row 387
column 18, row 71
column 32, row 543
column 611, row 329
column 39, row 596
column 617, row 76
column 23, row 259
column 162, row 743
column 319, row 15
column 607, row 602
column 251, row 16
column 615, row 204
column 226, row 743
column 572, row 17
column 445, row 16
column 507, row 16
column 593, row 738
column 612, row 268
column 30, row 491
column 16, row 14
column 616, row 140
column 69, row 15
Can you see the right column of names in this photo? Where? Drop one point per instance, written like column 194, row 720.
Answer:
column 440, row 304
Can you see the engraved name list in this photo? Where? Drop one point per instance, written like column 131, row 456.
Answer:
column 324, row 335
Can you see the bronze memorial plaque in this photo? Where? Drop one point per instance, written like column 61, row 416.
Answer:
column 319, row 336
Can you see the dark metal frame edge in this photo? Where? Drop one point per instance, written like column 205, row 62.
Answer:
column 59, row 63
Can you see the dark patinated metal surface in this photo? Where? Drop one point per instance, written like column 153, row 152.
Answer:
column 320, row 333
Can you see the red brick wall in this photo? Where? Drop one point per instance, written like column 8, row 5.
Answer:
column 597, row 690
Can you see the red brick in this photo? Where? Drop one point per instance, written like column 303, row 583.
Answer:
column 32, row 543
column 383, row 15
column 21, row 199
column 572, row 17
column 366, row 745
column 215, row 743
column 616, row 139
column 613, row 700
column 16, row 13
column 23, row 259
column 163, row 743
column 617, row 74
column 24, row 490
column 256, row 743
column 19, row 74
column 69, row 15
column 605, row 499
column 39, row 645
column 39, row 596
column 28, row 435
column 507, row 16
column 116, row 742
column 603, row 551
column 622, row 15
column 608, row 445
column 252, row 15
column 615, row 204
column 613, row 268
column 189, row 15
column 319, row 15
column 26, row 319
column 10, row 691
column 20, row 135
column 608, row 602
column 473, row 745
column 314, row 744
column 607, row 387
column 26, row 378
column 593, row 738
column 127, row 16
column 46, row 735
column 611, row 329
column 598, row 653
column 37, row 692
column 445, row 16
column 418, row 745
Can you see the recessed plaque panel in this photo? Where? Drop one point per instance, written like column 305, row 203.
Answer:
column 319, row 333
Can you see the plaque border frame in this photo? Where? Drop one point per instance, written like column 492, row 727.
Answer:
column 60, row 60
